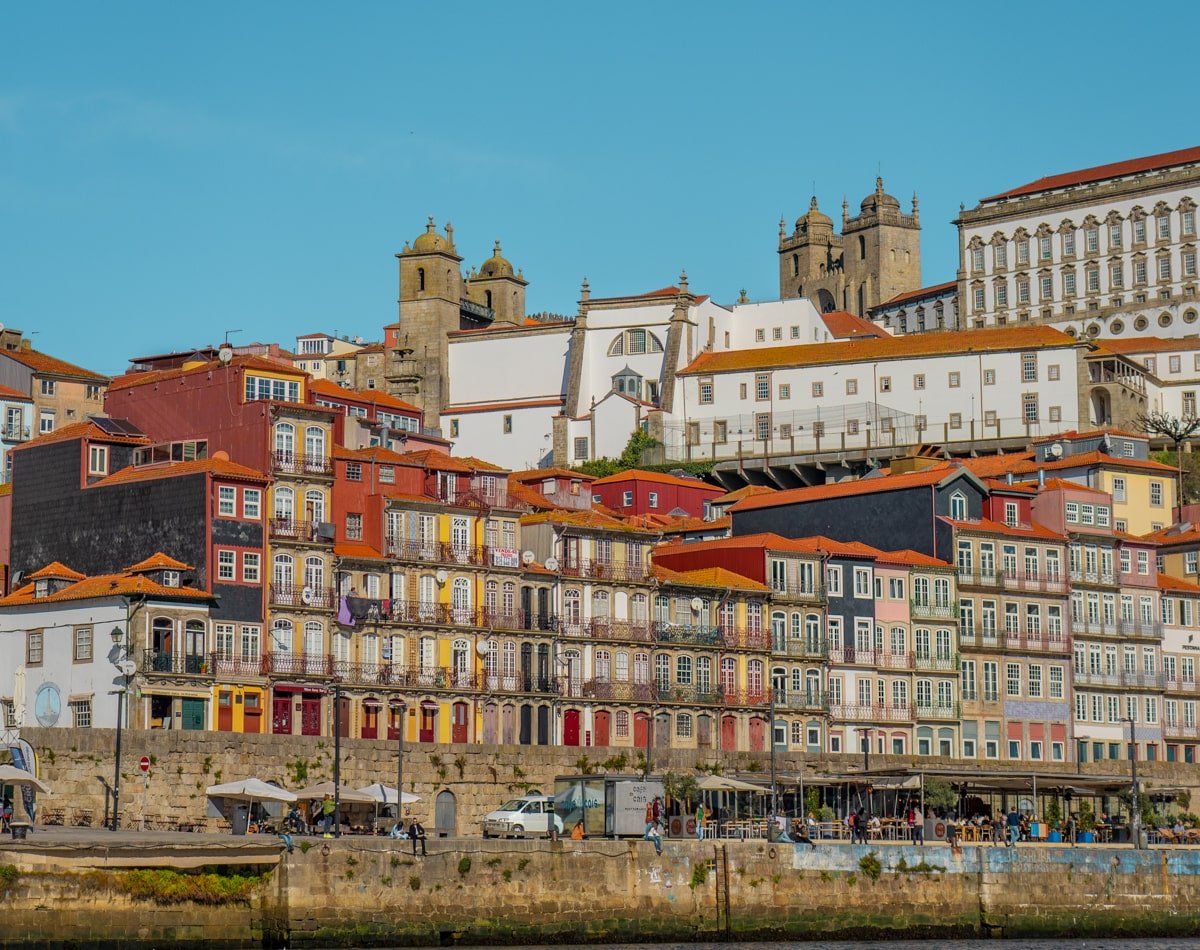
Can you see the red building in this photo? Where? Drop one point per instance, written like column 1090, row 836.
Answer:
column 371, row 417
column 634, row 492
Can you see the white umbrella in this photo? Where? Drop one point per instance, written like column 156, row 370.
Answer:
column 19, row 696
column 386, row 795
column 11, row 775
column 719, row 783
column 346, row 795
column 250, row 789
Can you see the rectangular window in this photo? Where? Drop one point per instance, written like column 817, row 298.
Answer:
column 976, row 258
column 818, row 390
column 251, row 567
column 706, row 392
column 1114, row 234
column 354, row 524
column 785, row 391
column 762, row 426
column 1156, row 494
column 956, row 420
column 1046, row 284
column 226, row 565
column 226, row 501
column 1023, row 295
column 1012, row 679
column 251, row 503
column 1139, row 272
column 1117, row 276
column 1023, row 251
column 1045, row 251
column 581, row 447
column 1068, row 240
column 48, row 387
column 1164, row 227
column 978, row 299
column 82, row 652
column 46, row 421
column 1029, row 368
column 652, row 499
column 1189, row 263
column 1092, row 236
column 1093, row 280
column 1029, row 407
column 35, row 641
column 1164, row 268
column 1069, row 283
column 989, row 377
column 862, row 582
column 1139, row 231
column 81, row 713
column 97, row 459
column 954, row 380
column 762, row 387
column 1001, row 293
column 741, row 390
column 919, row 381
column 506, row 425
column 852, row 387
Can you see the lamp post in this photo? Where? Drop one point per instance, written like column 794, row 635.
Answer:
column 1135, row 820
column 121, row 661
column 337, row 759
column 771, row 716
column 400, row 763
column 866, row 749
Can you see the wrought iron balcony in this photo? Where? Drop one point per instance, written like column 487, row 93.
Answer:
column 192, row 664
column 291, row 595
column 295, row 463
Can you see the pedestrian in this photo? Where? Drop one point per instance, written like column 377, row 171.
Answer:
column 416, row 831
column 700, row 821
column 649, row 818
column 654, row 835
column 860, row 825
column 850, row 825
column 911, row 819
column 577, row 831
column 1072, row 828
column 327, row 810
column 1013, row 826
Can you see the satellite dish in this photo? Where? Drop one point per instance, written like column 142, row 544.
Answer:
column 1056, row 450
column 697, row 603
column 16, row 578
column 527, row 557
column 483, row 648
column 552, row 564
column 306, row 595
column 225, row 354
column 127, row 667
column 441, row 576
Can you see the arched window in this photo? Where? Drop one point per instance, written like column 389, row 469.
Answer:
column 941, row 592
column 460, row 600
column 487, row 299
column 314, row 575
column 621, row 724
column 638, row 607
column 314, row 446
column 603, row 666
column 729, row 676
column 460, row 662
column 754, row 677
column 958, row 506
column 622, row 670
column 862, row 248
column 314, row 506
column 920, row 591
column 571, row 609
column 491, row 595
column 284, row 572
column 704, row 674
column 284, row 504
column 812, row 687
column 795, row 265
column 420, row 278
column 285, row 441
column 283, row 636
column 617, row 346
column 662, row 671
column 162, row 642
column 812, row 633
column 641, row 668
column 314, row 645
column 778, row 631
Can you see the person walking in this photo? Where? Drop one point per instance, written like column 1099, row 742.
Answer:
column 327, row 810
column 1013, row 827
column 416, row 831
column 700, row 821
column 860, row 825
column 1072, row 828
column 649, row 819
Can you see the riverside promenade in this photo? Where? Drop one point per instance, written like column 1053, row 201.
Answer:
column 135, row 889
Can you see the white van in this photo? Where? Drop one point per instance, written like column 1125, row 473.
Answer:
column 527, row 815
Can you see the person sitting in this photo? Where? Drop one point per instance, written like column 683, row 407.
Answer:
column 577, row 831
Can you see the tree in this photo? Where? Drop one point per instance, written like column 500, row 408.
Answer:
column 1175, row 428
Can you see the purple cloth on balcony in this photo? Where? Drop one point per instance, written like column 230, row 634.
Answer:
column 344, row 617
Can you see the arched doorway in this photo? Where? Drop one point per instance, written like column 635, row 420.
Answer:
column 571, row 727
column 459, row 717
column 445, row 822
column 640, row 720
column 1101, row 406
column 603, row 726
column 758, row 731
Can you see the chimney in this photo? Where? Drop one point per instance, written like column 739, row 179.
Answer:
column 1041, row 478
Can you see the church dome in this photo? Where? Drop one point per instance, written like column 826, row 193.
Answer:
column 813, row 217
column 431, row 242
column 496, row 265
column 879, row 199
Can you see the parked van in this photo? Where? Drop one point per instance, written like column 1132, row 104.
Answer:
column 527, row 815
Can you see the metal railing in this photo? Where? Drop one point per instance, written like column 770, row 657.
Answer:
column 1122, row 678
column 935, row 664
column 805, row 594
column 296, row 463
column 439, row 552
column 1094, row 577
column 953, row 711
column 290, row 530
column 870, row 713
column 292, row 595
column 603, row 628
column 1177, row 685
column 802, row 700
column 1015, row 581
column 14, row 433
column 817, row 649
column 193, row 664
column 611, row 570
column 1117, row 628
column 923, row 610
column 884, row 659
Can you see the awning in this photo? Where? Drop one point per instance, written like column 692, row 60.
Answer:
column 372, row 703
column 298, row 688
column 428, row 704
column 179, row 693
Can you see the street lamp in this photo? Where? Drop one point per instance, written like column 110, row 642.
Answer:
column 771, row 716
column 400, row 763
column 337, row 758
column 1135, row 821
column 125, row 667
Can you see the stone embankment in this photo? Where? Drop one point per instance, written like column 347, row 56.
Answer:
column 370, row 891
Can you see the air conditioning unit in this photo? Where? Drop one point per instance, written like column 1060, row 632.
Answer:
column 325, row 531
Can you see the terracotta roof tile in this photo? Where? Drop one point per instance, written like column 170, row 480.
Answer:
column 658, row 478
column 252, row 362
column 716, row 577
column 370, row 453
column 104, row 585
column 768, row 541
column 687, row 525
column 1175, row 534
column 437, row 460
column 158, row 562
column 584, row 519
column 746, row 491
column 540, row 474
column 51, row 366
column 988, row 526
column 222, row 468
column 83, row 430
column 7, row 392
column 846, row 326
column 1167, row 582
column 1085, row 176
column 375, row 397
column 996, row 339
column 910, row 558
column 1072, row 434
column 934, row 290
column 859, row 486
column 57, row 570
column 1147, row 344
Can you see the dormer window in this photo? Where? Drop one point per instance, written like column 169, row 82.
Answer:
column 170, row 578
column 627, row 382
column 958, row 506
column 549, row 486
column 41, row 588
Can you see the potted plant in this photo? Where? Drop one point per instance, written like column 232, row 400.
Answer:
column 1054, row 820
column 1087, row 823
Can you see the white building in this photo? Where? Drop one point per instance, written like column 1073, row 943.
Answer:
column 16, row 411
column 319, row 354
column 858, row 393
column 920, row 311
column 1110, row 248
column 64, row 637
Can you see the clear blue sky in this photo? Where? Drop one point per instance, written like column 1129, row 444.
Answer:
column 171, row 171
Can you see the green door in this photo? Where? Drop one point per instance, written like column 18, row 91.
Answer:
column 193, row 714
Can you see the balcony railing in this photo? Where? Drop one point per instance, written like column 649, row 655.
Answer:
column 473, row 497
column 953, row 711
column 295, row 463
column 609, row 570
column 802, row 700
column 935, row 664
column 446, row 615
column 817, row 649
column 810, row 594
column 1015, row 581
column 193, row 664
column 923, row 610
column 702, row 634
column 1176, row 685
column 986, row 638
column 741, row 638
column 521, row 683
column 1117, row 628
column 1094, row 577
column 871, row 657
column 299, row 664
column 871, row 713
column 287, row 529
column 1180, row 730
column 602, row 628
column 229, row 665
column 14, row 433
column 290, row 595
column 440, row 552
column 1122, row 678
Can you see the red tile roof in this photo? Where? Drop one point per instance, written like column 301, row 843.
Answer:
column 987, row 526
column 220, row 468
column 7, row 392
column 745, row 491
column 769, row 541
column 251, row 362
column 860, row 486
column 931, row 291
column 996, row 339
column 1063, row 485
column 688, row 525
column 1147, row 344
column 437, row 460
column 1175, row 534
column 374, row 397
column 46, row 365
column 1016, row 488
column 909, row 558
column 371, row 453
column 57, row 570
column 846, row 326
column 584, row 519
column 158, row 562
column 1072, row 434
column 1023, row 463
column 1167, row 582
column 499, row 406
column 541, row 474
column 658, row 478
column 83, row 430
column 101, row 586
column 716, row 577
column 1085, row 176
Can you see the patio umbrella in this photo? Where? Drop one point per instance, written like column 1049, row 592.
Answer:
column 321, row 789
column 250, row 790
column 11, row 775
column 719, row 783
column 385, row 794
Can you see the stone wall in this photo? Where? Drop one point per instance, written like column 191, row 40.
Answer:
column 78, row 764
column 374, row 892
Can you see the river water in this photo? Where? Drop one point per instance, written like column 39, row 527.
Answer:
column 1181, row 943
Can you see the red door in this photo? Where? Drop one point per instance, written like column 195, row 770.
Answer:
column 458, row 722
column 370, row 726
column 758, row 734
column 225, row 711
column 639, row 730
column 310, row 715
column 428, row 723
column 571, row 727
column 251, row 713
column 343, row 718
column 602, row 720
column 281, row 715
column 729, row 733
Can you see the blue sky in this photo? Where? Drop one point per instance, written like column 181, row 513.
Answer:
column 170, row 171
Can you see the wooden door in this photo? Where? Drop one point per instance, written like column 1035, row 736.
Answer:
column 640, row 723
column 310, row 715
column 193, row 714
column 602, row 724
column 225, row 711
column 459, row 715
column 428, row 724
column 370, row 726
column 571, row 727
column 281, row 715
column 729, row 733
column 252, row 713
column 758, row 734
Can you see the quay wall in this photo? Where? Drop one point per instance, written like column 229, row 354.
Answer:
column 374, row 892
column 78, row 764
